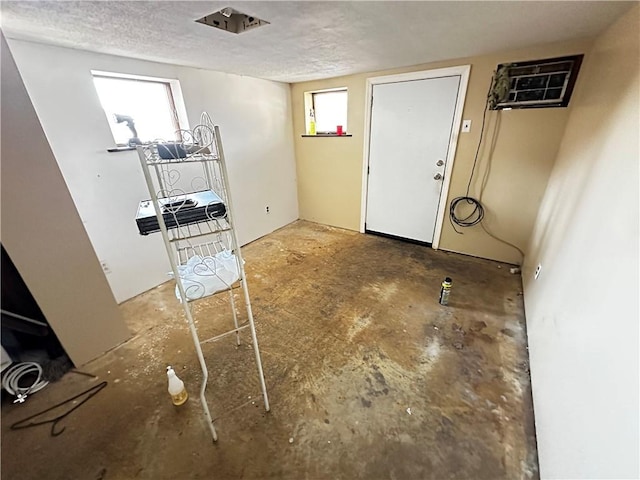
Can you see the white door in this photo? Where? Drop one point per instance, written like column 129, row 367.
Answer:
column 411, row 125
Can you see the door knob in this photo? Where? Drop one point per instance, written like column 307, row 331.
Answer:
column 437, row 176
column 439, row 163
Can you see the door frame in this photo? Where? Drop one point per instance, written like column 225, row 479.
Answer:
column 463, row 71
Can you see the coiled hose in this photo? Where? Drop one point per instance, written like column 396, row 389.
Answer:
column 473, row 218
column 11, row 380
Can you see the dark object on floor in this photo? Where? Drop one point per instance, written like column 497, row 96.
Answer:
column 53, row 370
column 54, row 421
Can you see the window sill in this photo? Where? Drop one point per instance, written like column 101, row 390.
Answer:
column 328, row 135
column 120, row 149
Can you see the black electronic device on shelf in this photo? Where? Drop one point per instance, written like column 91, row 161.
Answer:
column 180, row 210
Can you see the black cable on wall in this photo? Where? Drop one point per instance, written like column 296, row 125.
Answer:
column 477, row 213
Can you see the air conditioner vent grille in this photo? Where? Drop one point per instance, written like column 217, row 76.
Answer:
column 540, row 83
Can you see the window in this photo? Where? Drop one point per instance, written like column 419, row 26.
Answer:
column 138, row 110
column 328, row 108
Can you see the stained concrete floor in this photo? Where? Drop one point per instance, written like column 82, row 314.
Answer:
column 366, row 372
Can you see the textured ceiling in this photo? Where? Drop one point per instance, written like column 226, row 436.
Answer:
column 306, row 40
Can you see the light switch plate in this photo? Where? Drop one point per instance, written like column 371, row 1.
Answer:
column 466, row 126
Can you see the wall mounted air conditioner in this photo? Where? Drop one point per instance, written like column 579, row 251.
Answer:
column 540, row 83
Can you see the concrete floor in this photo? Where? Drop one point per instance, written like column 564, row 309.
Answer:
column 352, row 336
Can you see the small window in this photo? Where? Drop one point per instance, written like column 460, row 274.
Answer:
column 138, row 110
column 328, row 109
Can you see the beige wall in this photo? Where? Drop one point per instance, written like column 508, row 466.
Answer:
column 330, row 169
column 582, row 312
column 44, row 236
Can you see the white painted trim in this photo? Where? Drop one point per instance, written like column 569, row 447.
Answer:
column 325, row 90
column 451, row 155
column 178, row 102
column 365, row 150
column 463, row 72
column 129, row 76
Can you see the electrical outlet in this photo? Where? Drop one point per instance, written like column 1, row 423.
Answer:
column 105, row 268
column 466, row 126
column 267, row 208
column 536, row 274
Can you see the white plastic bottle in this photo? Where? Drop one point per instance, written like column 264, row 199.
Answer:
column 177, row 391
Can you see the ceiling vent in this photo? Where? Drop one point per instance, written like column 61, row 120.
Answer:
column 231, row 20
column 537, row 84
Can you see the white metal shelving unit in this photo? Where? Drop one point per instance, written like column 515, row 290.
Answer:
column 201, row 156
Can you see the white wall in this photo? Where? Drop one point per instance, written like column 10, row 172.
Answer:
column 255, row 120
column 582, row 312
column 52, row 253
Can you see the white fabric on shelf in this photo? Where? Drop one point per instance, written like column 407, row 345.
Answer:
column 204, row 276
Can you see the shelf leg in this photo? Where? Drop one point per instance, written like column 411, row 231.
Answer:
column 235, row 316
column 205, row 372
column 254, row 341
